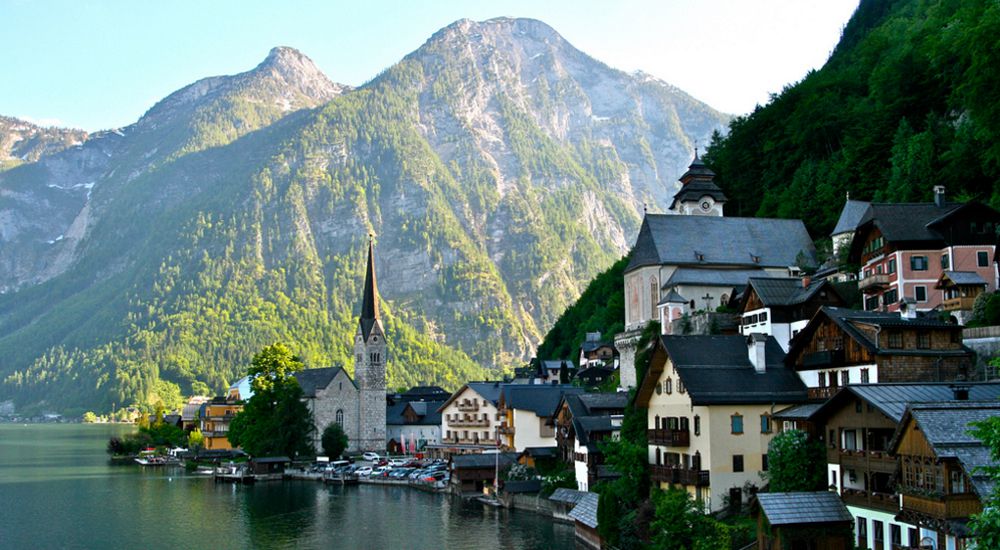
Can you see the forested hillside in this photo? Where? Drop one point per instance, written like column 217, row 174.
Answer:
column 909, row 99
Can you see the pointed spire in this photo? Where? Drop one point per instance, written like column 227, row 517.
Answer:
column 369, row 304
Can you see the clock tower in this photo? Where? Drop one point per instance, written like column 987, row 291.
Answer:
column 699, row 195
column 369, row 364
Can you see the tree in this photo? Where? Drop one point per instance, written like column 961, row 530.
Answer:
column 334, row 440
column 196, row 440
column 795, row 463
column 89, row 417
column 274, row 421
column 678, row 523
column 986, row 525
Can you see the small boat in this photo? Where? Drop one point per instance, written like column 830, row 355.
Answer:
column 151, row 460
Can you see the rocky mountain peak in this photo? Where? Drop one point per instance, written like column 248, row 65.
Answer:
column 295, row 69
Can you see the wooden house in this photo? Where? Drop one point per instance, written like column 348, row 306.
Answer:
column 783, row 306
column 802, row 521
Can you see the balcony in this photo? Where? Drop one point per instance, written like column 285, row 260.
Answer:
column 669, row 438
column 826, row 392
column 455, row 440
column 886, row 502
column 506, row 430
column 869, row 461
column 678, row 475
column 469, row 422
column 823, row 359
column 468, row 406
column 962, row 303
column 874, row 282
column 942, row 507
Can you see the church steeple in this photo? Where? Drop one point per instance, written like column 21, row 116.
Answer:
column 698, row 194
column 369, row 303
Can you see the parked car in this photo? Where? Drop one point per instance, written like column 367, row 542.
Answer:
column 364, row 471
column 397, row 462
column 371, row 457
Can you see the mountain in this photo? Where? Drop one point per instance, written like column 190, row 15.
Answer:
column 22, row 141
column 909, row 99
column 499, row 168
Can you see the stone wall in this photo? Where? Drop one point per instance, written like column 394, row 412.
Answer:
column 340, row 394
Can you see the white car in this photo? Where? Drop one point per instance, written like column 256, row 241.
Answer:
column 397, row 461
column 370, row 456
column 363, row 471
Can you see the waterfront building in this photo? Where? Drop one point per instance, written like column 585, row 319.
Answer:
column 215, row 416
column 189, row 413
column 904, row 248
column 470, row 418
column 526, row 413
column 783, row 306
column 582, row 421
column 813, row 520
column 417, row 423
column 709, row 403
column 846, row 346
column 473, row 474
column 692, row 259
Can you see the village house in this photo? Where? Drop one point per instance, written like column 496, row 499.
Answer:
column 470, row 419
column 810, row 521
column 190, row 411
column 845, row 346
column 941, row 480
column 526, row 414
column 783, row 306
column 413, row 423
column 692, row 259
column 709, row 402
column 583, row 421
column 476, row 474
column 592, row 378
column 857, row 425
column 595, row 352
column 904, row 249
column 215, row 416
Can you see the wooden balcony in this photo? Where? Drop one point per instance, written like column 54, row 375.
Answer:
column 469, row 422
column 962, row 303
column 886, row 502
column 943, row 507
column 506, row 430
column 826, row 392
column 669, row 438
column 868, row 461
column 468, row 406
column 679, row 475
column 874, row 282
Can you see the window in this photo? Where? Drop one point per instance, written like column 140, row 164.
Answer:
column 858, row 406
column 982, row 259
column 736, row 423
column 822, row 379
column 737, row 463
column 923, row 340
column 862, row 531
column 697, row 425
column 920, row 293
column 877, row 533
column 918, row 263
column 654, row 297
column 765, row 424
column 896, row 339
column 668, row 386
column 945, row 261
column 340, row 416
column 890, row 296
column 895, row 535
column 845, row 377
column 659, row 389
column 763, row 316
column 871, row 303
column 833, row 477
column 763, row 462
column 891, row 266
column 680, row 385
column 864, row 376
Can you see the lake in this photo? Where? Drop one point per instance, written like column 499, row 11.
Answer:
column 57, row 490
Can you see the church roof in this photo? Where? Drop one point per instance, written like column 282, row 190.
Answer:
column 369, row 302
column 714, row 241
column 696, row 183
column 711, row 277
column 312, row 380
column 851, row 216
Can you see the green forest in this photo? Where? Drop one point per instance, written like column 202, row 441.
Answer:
column 907, row 100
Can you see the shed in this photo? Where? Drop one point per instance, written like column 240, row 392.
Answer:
column 814, row 520
column 584, row 516
column 268, row 465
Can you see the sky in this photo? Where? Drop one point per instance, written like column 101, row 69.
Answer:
column 101, row 64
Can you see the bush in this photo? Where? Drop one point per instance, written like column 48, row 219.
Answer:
column 334, row 440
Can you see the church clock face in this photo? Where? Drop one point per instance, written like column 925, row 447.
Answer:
column 706, row 205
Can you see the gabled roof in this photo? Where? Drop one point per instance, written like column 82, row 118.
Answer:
column 568, row 496
column 427, row 411
column 892, row 399
column 711, row 277
column 590, row 345
column 673, row 297
column 591, row 412
column 800, row 508
column 482, row 460
column 540, row 399
column 922, row 225
column 712, row 240
column 786, row 291
column 585, row 510
column 946, row 428
column 556, row 364
column 489, row 391
column 716, row 370
column 851, row 216
column 960, row 278
column 312, row 380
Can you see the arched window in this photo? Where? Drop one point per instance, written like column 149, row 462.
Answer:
column 340, row 416
column 654, row 297
column 724, row 300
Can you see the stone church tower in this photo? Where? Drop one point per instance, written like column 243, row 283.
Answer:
column 369, row 365
column 699, row 195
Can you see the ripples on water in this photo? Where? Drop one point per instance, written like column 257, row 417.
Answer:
column 57, row 490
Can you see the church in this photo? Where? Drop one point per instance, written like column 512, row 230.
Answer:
column 692, row 258
column 358, row 405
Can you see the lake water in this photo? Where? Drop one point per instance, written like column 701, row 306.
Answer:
column 57, row 490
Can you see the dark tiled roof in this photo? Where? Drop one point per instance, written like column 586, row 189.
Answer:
column 712, row 277
column 423, row 391
column 785, row 291
column 585, row 510
column 486, row 390
column 569, row 496
column 946, row 428
column 851, row 216
column 909, row 222
column 591, row 412
column 892, row 399
column 797, row 412
column 541, row 452
column 799, row 508
column 482, row 460
column 717, row 370
column 427, row 411
column 696, row 190
column 556, row 364
column 540, row 399
column 750, row 242
column 595, row 402
column 312, row 380
column 673, row 297
column 591, row 346
column 964, row 278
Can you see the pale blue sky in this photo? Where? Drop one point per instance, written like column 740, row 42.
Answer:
column 101, row 64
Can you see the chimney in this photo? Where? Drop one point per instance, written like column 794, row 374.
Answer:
column 939, row 196
column 806, row 281
column 960, row 392
column 755, row 347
